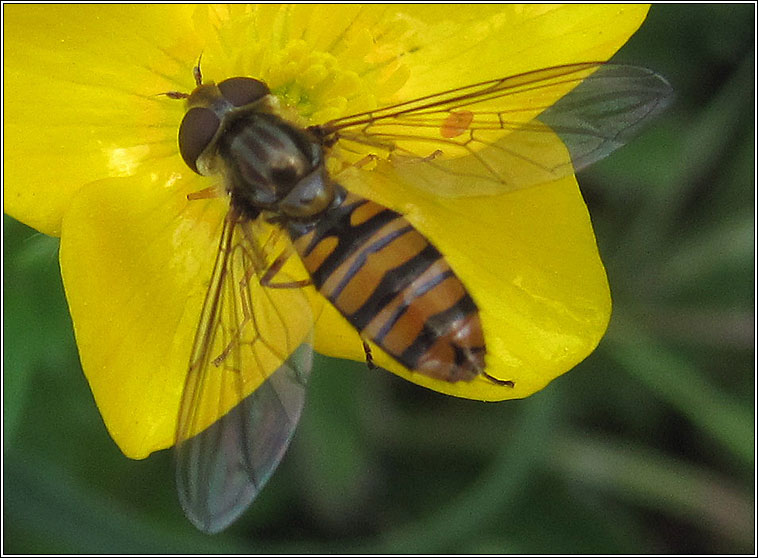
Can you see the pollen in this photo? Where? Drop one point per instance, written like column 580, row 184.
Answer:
column 457, row 123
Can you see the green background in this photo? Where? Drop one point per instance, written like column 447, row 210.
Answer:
column 646, row 447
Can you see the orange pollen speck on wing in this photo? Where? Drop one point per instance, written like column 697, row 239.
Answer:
column 457, row 123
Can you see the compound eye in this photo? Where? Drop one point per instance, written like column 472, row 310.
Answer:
column 198, row 127
column 241, row 91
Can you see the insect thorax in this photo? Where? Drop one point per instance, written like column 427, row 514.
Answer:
column 272, row 165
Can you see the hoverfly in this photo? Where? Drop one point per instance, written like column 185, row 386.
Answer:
column 386, row 278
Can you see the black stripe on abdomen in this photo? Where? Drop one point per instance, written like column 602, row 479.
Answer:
column 435, row 327
column 394, row 287
column 393, row 282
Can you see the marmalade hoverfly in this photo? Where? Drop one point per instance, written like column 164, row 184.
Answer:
column 388, row 280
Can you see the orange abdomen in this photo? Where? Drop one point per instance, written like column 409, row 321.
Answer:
column 394, row 287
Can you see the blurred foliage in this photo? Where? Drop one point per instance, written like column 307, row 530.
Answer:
column 646, row 447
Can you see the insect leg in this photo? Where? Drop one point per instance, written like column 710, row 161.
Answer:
column 369, row 357
column 268, row 272
column 276, row 267
column 250, row 265
column 498, row 381
column 400, row 158
column 368, row 159
column 359, row 164
column 205, row 194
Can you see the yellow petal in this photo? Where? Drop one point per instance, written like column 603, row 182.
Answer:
column 80, row 86
column 468, row 44
column 136, row 258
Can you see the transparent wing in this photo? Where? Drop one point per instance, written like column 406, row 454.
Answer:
column 246, row 380
column 508, row 133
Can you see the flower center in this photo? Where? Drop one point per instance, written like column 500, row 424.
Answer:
column 315, row 76
column 314, row 85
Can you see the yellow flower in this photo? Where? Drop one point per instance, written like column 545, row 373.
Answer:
column 91, row 156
